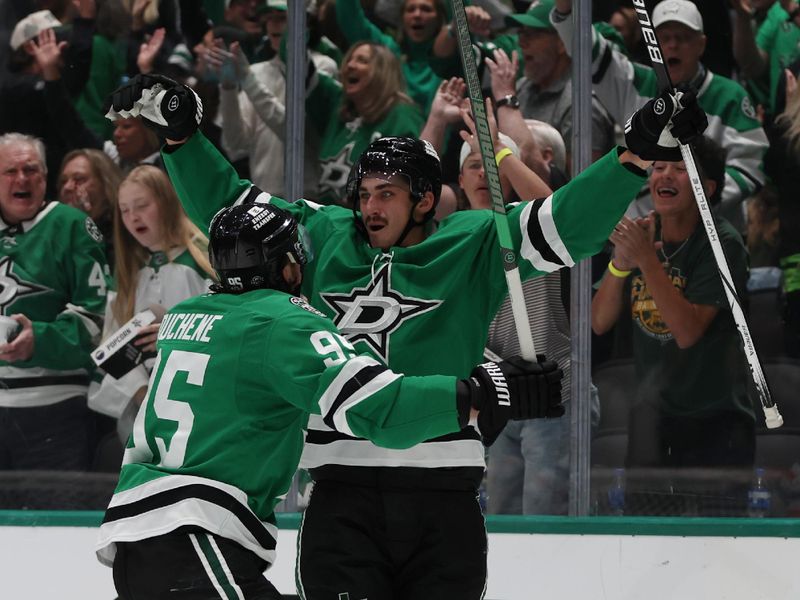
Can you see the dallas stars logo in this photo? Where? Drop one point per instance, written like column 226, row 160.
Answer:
column 12, row 287
column 335, row 171
column 370, row 314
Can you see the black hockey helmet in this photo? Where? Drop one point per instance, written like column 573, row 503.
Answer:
column 414, row 159
column 249, row 245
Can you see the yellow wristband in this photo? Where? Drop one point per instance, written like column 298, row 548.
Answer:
column 617, row 272
column 498, row 158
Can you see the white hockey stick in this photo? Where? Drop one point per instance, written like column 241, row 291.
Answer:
column 772, row 417
column 508, row 256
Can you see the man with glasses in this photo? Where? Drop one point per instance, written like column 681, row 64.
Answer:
column 53, row 282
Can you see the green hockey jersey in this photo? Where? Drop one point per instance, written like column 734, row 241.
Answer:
column 53, row 270
column 426, row 308
column 219, row 435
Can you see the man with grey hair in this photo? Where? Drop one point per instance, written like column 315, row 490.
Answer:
column 53, row 277
column 545, row 91
column 550, row 144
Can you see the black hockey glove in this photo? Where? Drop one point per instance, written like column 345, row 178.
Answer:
column 167, row 107
column 651, row 131
column 536, row 388
column 511, row 389
column 690, row 121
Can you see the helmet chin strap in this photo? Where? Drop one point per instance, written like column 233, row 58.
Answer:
column 410, row 224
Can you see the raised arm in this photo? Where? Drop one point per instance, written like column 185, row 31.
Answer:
column 479, row 21
column 751, row 59
column 503, row 71
column 445, row 111
column 204, row 179
column 355, row 25
column 526, row 183
column 576, row 221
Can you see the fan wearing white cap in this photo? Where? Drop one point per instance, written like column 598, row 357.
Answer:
column 680, row 33
column 31, row 26
column 623, row 86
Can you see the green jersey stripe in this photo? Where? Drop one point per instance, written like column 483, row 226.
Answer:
column 216, row 567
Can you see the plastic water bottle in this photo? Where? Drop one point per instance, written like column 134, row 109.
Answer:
column 759, row 498
column 616, row 493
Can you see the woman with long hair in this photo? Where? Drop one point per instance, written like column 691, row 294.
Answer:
column 89, row 180
column 160, row 260
column 370, row 103
column 420, row 23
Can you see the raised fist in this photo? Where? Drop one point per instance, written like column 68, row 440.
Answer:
column 169, row 108
column 652, row 130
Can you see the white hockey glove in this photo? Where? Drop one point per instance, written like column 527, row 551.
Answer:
column 167, row 107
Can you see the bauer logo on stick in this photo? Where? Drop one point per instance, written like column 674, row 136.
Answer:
column 648, row 32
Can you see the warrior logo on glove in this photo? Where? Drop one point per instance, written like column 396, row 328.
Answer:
column 514, row 389
column 500, row 384
column 169, row 108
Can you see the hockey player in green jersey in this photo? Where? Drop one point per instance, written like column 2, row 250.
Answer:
column 405, row 523
column 219, row 436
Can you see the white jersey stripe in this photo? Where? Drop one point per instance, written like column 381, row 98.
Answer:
column 350, row 370
column 162, row 520
column 364, row 392
column 529, row 252
column 362, row 453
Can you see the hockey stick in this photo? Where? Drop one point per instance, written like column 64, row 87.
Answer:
column 772, row 417
column 509, row 257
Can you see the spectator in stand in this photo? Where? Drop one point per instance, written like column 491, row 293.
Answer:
column 245, row 15
column 545, row 91
column 528, row 467
column 253, row 123
column 762, row 54
column 34, row 98
column 625, row 20
column 147, row 16
column 88, row 181
column 421, row 22
column 782, row 164
column 161, row 260
column 369, row 103
column 745, row 29
column 623, row 86
column 691, row 407
column 136, row 145
column 55, row 278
